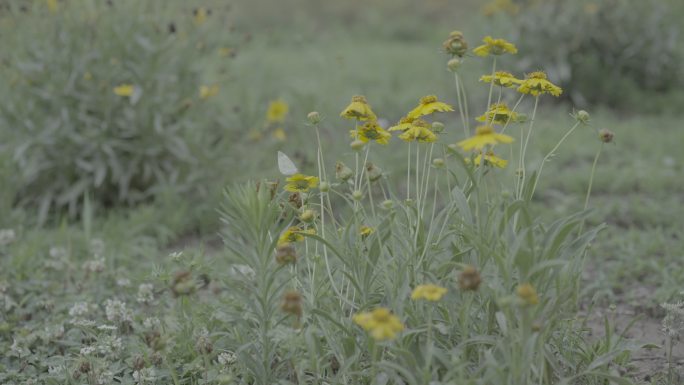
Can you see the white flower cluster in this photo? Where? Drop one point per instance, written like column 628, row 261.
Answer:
column 7, row 236
column 227, row 358
column 146, row 293
column 95, row 265
column 116, row 311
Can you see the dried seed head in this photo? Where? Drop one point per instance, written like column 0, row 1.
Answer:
column 308, row 216
column 343, row 172
column 138, row 362
column 455, row 44
column 295, row 200
column 292, row 303
column 183, row 284
column 469, row 279
column 606, row 135
column 286, row 253
column 582, row 116
column 374, row 172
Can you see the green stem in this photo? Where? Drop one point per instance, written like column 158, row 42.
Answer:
column 591, row 183
column 550, row 154
column 524, row 150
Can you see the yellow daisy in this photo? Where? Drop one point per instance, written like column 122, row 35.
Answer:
column 277, row 111
column 489, row 160
column 429, row 105
column 365, row 231
column 527, row 294
column 493, row 46
column 300, row 183
column 358, row 109
column 380, row 323
column 499, row 113
column 371, row 131
column 428, row 292
column 484, row 136
column 502, row 79
column 293, row 234
column 536, row 83
column 279, row 134
column 124, row 90
column 419, row 131
column 205, row 92
column 404, row 124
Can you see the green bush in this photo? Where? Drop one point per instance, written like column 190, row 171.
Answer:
column 73, row 135
column 613, row 52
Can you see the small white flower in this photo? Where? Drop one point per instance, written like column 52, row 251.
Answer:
column 57, row 252
column 227, row 358
column 144, row 375
column 105, row 378
column 116, row 311
column 82, row 322
column 86, row 351
column 123, row 282
column 95, row 265
column 79, row 309
column 176, row 256
column 107, row 327
column 54, row 332
column 151, row 323
column 145, row 293
column 7, row 236
column 55, row 370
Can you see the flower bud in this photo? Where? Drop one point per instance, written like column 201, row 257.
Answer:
column 387, row 204
column 527, row 294
column 314, row 117
column 454, row 64
column 357, row 195
column 324, row 187
column 357, row 145
column 343, row 172
column 307, row 216
column 582, row 117
column 437, row 127
column 606, row 135
column 374, row 172
column 438, row 162
column 455, row 45
column 453, row 147
column 292, row 303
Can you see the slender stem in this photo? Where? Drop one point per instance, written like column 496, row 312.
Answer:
column 408, row 173
column 550, row 154
column 591, row 182
column 491, row 84
column 524, row 150
column 461, row 109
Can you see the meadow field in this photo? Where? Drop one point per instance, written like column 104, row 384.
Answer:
column 352, row 192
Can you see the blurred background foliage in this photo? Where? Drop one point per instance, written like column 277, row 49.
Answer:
column 204, row 72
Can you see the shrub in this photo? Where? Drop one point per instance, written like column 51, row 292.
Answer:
column 613, row 52
column 105, row 98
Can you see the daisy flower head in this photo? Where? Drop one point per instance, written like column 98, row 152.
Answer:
column 205, row 92
column 496, row 47
column 499, row 113
column 536, row 83
column 419, row 131
column 358, row 109
column 527, row 294
column 502, row 79
column 429, row 105
column 380, row 323
column 277, row 111
column 293, row 234
column 484, row 136
column 404, row 124
column 300, row 183
column 365, row 231
column 125, row 90
column 428, row 292
column 489, row 160
column 371, row 131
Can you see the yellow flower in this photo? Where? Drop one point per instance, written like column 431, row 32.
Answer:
column 493, row 46
column 404, row 124
column 206, row 92
column 358, row 109
column 484, row 136
column 499, row 113
column 429, row 105
column 200, row 15
column 87, row 76
column 277, row 111
column 300, row 183
column 371, row 131
column 279, row 134
column 124, row 90
column 428, row 292
column 489, row 160
column 225, row 51
column 502, row 79
column 365, row 231
column 380, row 323
column 536, row 83
column 527, row 293
column 52, row 5
column 293, row 234
column 419, row 131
